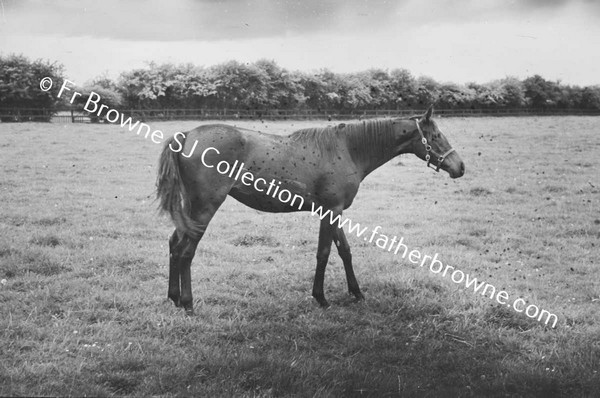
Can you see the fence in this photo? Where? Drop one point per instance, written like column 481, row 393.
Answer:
column 43, row 115
column 80, row 116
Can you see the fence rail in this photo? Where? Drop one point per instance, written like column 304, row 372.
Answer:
column 81, row 116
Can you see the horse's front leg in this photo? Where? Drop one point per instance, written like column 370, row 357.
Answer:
column 344, row 251
column 326, row 232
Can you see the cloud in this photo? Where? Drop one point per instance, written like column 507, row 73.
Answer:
column 206, row 20
column 545, row 3
column 456, row 13
column 218, row 20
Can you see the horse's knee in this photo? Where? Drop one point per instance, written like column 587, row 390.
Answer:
column 323, row 255
column 346, row 256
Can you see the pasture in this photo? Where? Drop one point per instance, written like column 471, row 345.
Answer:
column 84, row 263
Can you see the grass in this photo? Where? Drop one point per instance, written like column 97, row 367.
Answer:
column 83, row 310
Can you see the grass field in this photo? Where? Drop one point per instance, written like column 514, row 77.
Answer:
column 84, row 263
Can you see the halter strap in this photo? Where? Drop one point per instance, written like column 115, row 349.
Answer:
column 428, row 149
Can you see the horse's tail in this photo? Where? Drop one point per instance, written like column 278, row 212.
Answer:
column 171, row 192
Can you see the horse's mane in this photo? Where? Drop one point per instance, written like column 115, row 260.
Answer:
column 324, row 138
column 367, row 138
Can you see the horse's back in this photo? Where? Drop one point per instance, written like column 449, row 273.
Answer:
column 298, row 166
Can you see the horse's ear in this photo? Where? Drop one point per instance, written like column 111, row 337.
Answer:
column 429, row 113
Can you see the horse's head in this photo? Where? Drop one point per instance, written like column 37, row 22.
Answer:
column 432, row 146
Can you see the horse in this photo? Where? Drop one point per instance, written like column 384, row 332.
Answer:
column 315, row 166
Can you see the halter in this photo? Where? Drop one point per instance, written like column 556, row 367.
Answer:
column 440, row 158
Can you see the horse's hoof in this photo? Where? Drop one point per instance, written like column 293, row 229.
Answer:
column 176, row 300
column 323, row 303
column 189, row 312
column 359, row 297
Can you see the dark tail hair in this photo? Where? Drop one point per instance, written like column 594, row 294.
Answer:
column 171, row 193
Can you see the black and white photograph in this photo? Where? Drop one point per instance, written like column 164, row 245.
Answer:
column 300, row 198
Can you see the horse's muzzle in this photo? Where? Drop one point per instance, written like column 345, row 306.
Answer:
column 457, row 172
column 454, row 165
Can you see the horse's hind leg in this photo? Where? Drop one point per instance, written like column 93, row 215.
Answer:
column 186, row 249
column 174, row 292
column 344, row 251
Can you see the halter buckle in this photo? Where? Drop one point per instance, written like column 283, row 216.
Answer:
column 430, row 165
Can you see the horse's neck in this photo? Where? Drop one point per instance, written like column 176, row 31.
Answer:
column 371, row 145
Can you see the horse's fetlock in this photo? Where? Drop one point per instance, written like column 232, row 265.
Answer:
column 175, row 298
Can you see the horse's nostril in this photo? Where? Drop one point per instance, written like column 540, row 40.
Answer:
column 462, row 168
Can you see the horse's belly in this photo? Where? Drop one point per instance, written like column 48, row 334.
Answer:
column 280, row 201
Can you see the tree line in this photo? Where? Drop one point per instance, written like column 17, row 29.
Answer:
column 266, row 85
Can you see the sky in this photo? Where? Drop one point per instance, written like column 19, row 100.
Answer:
column 456, row 41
